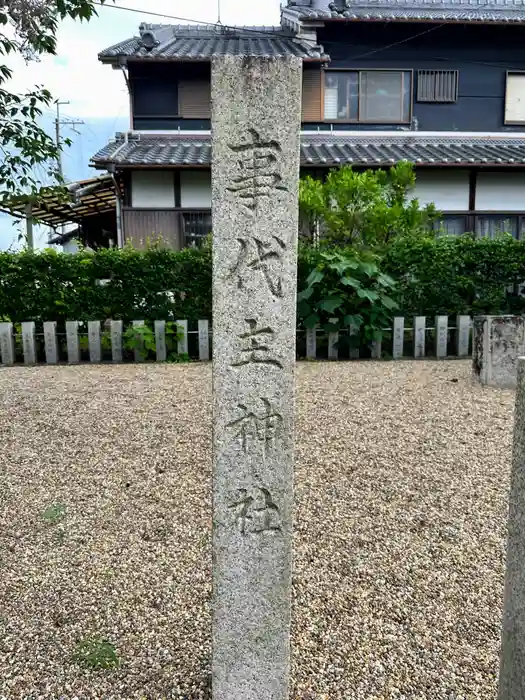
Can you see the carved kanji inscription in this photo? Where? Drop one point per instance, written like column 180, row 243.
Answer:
column 256, row 512
column 258, row 168
column 263, row 256
column 252, row 427
column 255, row 346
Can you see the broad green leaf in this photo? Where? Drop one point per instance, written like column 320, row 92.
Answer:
column 367, row 294
column 311, row 321
column 353, row 320
column 314, row 277
column 351, row 282
column 389, row 303
column 305, row 294
column 330, row 305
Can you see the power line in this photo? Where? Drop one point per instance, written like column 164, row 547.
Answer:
column 188, row 20
column 261, row 33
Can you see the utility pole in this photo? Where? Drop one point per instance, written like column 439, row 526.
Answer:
column 58, row 123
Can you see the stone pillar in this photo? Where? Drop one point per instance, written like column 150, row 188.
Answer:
column 497, row 342
column 512, row 668
column 255, row 139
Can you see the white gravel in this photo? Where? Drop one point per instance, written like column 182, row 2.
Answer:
column 401, row 487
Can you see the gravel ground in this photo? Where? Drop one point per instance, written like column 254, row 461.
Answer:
column 401, row 485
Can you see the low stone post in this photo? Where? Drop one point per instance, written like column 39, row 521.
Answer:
column 512, row 667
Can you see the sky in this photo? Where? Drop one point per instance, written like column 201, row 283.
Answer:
column 96, row 93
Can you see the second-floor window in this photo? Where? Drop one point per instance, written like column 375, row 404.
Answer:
column 368, row 96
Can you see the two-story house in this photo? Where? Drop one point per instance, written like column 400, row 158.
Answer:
column 440, row 83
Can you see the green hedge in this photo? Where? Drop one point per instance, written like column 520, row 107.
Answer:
column 442, row 276
column 51, row 286
column 451, row 275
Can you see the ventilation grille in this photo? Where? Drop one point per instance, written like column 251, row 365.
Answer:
column 437, row 85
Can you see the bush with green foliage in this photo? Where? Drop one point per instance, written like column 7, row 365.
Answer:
column 433, row 276
column 365, row 209
column 346, row 291
column 457, row 275
column 119, row 284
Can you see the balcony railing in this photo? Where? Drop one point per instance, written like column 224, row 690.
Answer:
column 178, row 228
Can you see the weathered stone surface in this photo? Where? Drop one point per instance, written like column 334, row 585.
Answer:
column 139, row 353
column 441, row 336
column 182, row 345
column 462, row 335
column 497, row 342
column 398, row 341
column 311, row 343
column 160, row 341
column 333, row 350
column 116, row 340
column 7, row 344
column 50, row 342
column 29, row 342
column 72, row 342
column 204, row 340
column 419, row 336
column 95, row 348
column 255, row 136
column 512, row 669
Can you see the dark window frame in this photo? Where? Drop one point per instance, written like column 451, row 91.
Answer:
column 359, row 71
column 471, row 220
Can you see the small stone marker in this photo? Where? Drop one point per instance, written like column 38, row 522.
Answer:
column 462, row 335
column 419, row 336
column 160, row 341
column 311, row 343
column 29, row 342
column 95, row 350
column 497, row 343
column 512, row 667
column 376, row 349
column 50, row 342
column 256, row 106
column 441, row 336
column 116, row 340
column 182, row 344
column 73, row 346
column 7, row 344
column 333, row 351
column 204, row 341
column 354, row 351
column 398, row 340
column 139, row 352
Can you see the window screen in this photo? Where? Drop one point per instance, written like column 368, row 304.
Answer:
column 437, row 85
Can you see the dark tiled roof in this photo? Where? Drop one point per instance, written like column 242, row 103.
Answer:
column 203, row 42
column 156, row 150
column 493, row 11
column 328, row 150
column 421, row 150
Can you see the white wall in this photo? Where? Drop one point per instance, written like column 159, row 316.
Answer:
column 152, row 189
column 500, row 191
column 195, row 189
column 447, row 189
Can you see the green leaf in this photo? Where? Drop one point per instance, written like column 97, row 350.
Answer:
column 305, row 294
column 314, row 277
column 367, row 294
column 351, row 282
column 389, row 303
column 353, row 320
column 311, row 321
column 330, row 305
